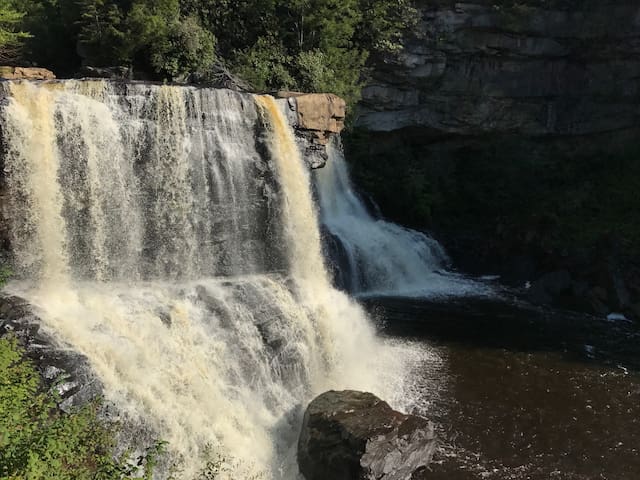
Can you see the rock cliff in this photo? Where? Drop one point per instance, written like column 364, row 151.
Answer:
column 26, row 73
column 536, row 68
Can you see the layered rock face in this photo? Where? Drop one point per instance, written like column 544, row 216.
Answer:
column 353, row 435
column 474, row 68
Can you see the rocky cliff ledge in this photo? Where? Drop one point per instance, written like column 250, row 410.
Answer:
column 26, row 73
column 569, row 67
column 316, row 117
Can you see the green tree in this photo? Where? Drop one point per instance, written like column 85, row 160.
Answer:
column 11, row 37
column 102, row 38
column 265, row 65
column 311, row 45
column 55, row 29
column 151, row 35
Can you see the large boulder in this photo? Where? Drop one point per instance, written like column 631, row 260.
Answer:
column 321, row 113
column 26, row 73
column 353, row 435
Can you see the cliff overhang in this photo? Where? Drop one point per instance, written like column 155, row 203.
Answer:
column 316, row 119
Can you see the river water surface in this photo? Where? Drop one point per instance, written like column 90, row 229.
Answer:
column 523, row 393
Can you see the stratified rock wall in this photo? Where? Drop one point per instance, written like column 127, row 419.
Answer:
column 567, row 68
column 511, row 128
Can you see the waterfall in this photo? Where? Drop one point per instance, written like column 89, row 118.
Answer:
column 377, row 257
column 169, row 235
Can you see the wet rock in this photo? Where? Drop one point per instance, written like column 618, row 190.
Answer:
column 353, row 435
column 113, row 73
column 550, row 285
column 61, row 368
column 26, row 73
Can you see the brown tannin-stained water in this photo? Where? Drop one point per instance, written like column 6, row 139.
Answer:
column 522, row 393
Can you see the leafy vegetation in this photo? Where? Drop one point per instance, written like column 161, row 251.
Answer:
column 11, row 37
column 309, row 45
column 40, row 442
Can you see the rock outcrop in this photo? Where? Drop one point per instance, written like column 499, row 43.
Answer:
column 533, row 68
column 61, row 368
column 26, row 73
column 112, row 73
column 353, row 435
column 316, row 118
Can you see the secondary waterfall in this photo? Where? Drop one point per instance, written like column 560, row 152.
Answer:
column 376, row 257
column 169, row 234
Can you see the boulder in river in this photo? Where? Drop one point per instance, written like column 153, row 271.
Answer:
column 352, row 435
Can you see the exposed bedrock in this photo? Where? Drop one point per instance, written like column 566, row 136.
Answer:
column 61, row 368
column 473, row 68
column 316, row 118
column 26, row 73
column 352, row 435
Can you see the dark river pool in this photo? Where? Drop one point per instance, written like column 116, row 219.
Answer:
column 519, row 392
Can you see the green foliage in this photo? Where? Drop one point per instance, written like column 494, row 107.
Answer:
column 5, row 274
column 384, row 22
column 265, row 65
column 102, row 32
column 11, row 37
column 152, row 36
column 310, row 45
column 55, row 32
column 39, row 442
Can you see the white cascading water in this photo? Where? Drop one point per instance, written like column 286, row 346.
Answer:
column 169, row 234
column 377, row 257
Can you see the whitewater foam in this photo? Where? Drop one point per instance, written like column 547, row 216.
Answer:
column 152, row 234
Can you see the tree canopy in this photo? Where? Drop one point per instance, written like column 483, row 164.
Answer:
column 309, row 45
column 11, row 37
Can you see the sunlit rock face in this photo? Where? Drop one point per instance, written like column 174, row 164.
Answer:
column 353, row 435
column 26, row 73
column 316, row 118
